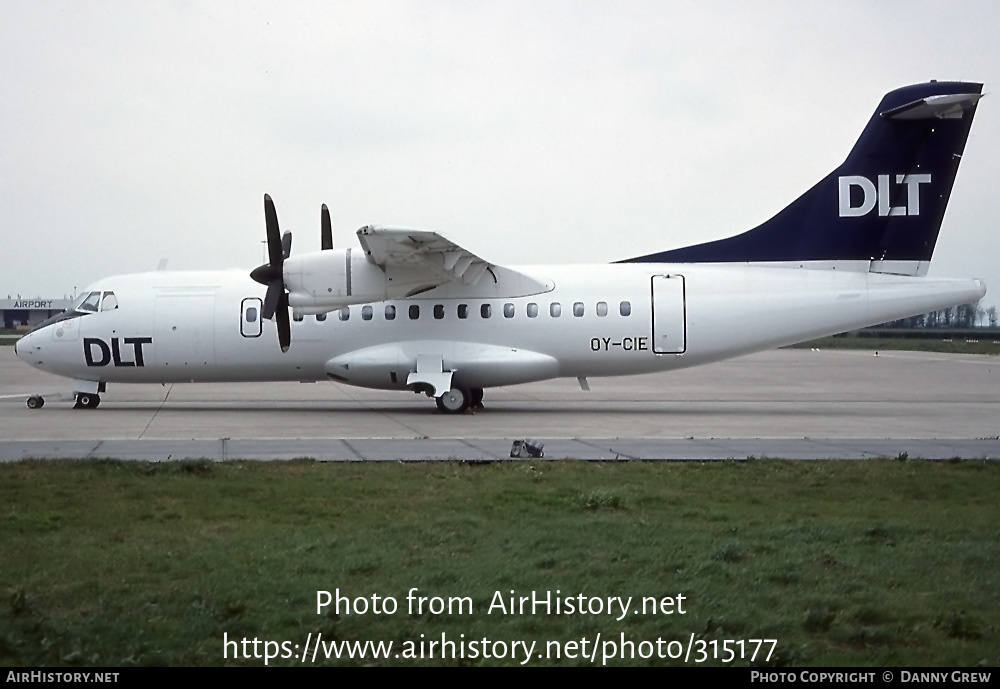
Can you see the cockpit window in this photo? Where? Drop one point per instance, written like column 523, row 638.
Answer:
column 78, row 301
column 89, row 303
column 84, row 304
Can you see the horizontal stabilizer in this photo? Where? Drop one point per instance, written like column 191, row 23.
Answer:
column 941, row 107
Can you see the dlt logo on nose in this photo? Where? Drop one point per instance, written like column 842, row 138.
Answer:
column 882, row 196
column 114, row 352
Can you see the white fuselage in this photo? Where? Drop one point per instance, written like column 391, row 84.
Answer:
column 412, row 309
column 569, row 320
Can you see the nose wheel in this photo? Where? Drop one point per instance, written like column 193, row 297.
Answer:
column 87, row 400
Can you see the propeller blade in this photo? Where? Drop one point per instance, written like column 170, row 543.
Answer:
column 326, row 229
column 272, row 300
column 272, row 274
column 284, row 327
column 274, row 253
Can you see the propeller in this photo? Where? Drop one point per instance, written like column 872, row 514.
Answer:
column 271, row 274
column 326, row 229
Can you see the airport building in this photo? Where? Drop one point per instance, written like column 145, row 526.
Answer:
column 22, row 313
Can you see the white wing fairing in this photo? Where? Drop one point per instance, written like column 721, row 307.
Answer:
column 481, row 365
column 413, row 310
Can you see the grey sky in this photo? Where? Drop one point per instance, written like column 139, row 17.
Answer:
column 527, row 131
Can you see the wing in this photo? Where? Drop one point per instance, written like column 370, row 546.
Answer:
column 441, row 258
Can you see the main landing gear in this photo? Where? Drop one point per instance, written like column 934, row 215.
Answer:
column 87, row 400
column 84, row 400
column 460, row 399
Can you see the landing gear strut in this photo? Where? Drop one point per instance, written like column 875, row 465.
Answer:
column 87, row 400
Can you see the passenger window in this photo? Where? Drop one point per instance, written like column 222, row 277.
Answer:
column 578, row 309
column 508, row 310
column 439, row 311
column 345, row 313
column 463, row 310
column 485, row 311
column 366, row 313
column 532, row 310
column 252, row 314
column 602, row 308
column 390, row 312
column 414, row 312
column 110, row 302
column 625, row 308
column 555, row 309
column 320, row 317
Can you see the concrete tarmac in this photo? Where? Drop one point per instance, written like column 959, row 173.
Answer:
column 796, row 404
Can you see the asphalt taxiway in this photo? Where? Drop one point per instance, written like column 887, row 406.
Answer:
column 796, row 404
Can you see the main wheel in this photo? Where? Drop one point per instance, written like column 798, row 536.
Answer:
column 36, row 402
column 476, row 402
column 86, row 400
column 455, row 401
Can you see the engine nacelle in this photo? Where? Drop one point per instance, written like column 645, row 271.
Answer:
column 325, row 281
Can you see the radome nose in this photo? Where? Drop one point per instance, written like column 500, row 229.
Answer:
column 22, row 348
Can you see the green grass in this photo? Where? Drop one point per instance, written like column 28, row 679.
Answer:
column 983, row 345
column 844, row 563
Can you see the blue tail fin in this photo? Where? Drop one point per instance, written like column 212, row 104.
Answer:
column 881, row 210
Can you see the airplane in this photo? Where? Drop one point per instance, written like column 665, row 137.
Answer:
column 414, row 310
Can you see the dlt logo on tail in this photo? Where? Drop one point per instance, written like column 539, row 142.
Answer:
column 871, row 196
